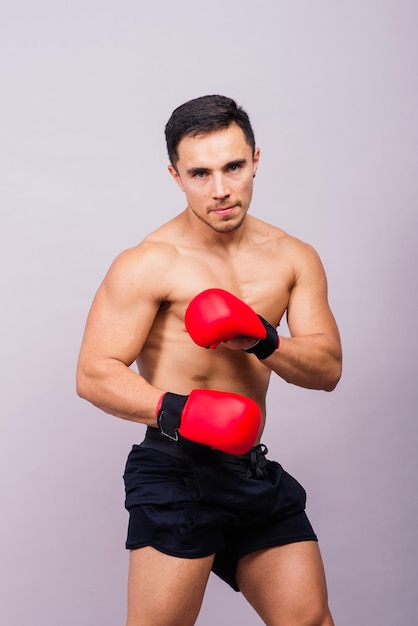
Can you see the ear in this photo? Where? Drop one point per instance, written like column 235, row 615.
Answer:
column 256, row 161
column 174, row 173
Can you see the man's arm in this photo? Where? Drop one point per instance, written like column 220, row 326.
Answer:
column 312, row 356
column 120, row 319
column 118, row 324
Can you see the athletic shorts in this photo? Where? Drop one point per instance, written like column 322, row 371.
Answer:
column 188, row 500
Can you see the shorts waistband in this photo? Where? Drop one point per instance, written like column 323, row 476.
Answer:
column 253, row 461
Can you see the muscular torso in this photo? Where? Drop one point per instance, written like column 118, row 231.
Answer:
column 258, row 270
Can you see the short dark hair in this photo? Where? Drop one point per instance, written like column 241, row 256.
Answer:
column 205, row 115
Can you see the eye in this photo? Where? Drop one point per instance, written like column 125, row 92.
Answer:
column 235, row 166
column 199, row 174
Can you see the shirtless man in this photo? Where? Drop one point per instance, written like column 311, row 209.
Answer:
column 193, row 507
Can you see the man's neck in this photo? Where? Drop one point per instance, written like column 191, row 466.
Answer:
column 204, row 235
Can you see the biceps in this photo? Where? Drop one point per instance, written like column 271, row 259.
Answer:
column 309, row 312
column 116, row 330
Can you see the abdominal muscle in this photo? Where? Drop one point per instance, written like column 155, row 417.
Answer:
column 171, row 361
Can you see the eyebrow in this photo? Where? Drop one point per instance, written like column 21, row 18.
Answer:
column 194, row 170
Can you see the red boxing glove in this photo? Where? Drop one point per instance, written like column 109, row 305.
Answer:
column 215, row 315
column 225, row 421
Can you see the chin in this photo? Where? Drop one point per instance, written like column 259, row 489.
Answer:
column 229, row 225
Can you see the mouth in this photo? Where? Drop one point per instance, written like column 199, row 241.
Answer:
column 224, row 210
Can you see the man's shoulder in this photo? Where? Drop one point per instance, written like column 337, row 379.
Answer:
column 157, row 245
column 150, row 259
column 279, row 238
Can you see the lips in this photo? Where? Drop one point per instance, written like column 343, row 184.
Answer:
column 223, row 210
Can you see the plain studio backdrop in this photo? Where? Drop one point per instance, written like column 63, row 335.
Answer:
column 87, row 87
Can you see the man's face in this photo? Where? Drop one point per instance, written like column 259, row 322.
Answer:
column 216, row 172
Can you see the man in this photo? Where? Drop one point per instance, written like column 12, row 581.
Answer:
column 200, row 490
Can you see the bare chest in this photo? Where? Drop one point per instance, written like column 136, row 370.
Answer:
column 258, row 279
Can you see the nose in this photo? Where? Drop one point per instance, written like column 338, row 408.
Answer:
column 220, row 187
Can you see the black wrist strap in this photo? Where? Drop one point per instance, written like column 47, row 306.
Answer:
column 169, row 415
column 265, row 347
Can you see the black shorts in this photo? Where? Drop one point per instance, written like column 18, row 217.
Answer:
column 188, row 500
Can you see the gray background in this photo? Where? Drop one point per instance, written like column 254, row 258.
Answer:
column 87, row 87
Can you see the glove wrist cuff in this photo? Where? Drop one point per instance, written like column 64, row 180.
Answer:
column 263, row 348
column 169, row 410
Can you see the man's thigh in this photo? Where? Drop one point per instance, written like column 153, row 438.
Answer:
column 286, row 585
column 164, row 590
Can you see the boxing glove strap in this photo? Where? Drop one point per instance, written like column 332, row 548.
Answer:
column 263, row 348
column 169, row 412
